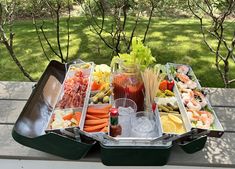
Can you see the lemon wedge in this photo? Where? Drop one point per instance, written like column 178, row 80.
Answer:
column 175, row 119
column 163, row 118
column 168, row 126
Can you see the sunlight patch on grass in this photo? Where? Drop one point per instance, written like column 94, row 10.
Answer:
column 180, row 38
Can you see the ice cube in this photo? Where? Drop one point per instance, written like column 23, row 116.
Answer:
column 125, row 120
column 125, row 111
column 143, row 127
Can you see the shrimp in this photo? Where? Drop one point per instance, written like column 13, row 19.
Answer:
column 200, row 124
column 203, row 119
column 193, row 104
column 203, row 101
column 206, row 117
column 185, row 82
column 193, row 116
column 191, row 84
column 190, row 101
column 182, row 85
column 184, row 78
column 185, row 90
column 183, row 69
column 186, row 97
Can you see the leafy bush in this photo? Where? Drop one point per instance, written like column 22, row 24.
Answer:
column 25, row 8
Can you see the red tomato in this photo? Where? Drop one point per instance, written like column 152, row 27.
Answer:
column 163, row 85
column 170, row 85
column 95, row 86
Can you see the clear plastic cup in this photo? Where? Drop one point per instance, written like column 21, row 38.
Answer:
column 125, row 102
column 126, row 109
column 144, row 125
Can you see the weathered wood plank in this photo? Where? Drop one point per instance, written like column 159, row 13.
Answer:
column 15, row 90
column 217, row 152
column 41, row 164
column 226, row 117
column 11, row 109
column 221, row 97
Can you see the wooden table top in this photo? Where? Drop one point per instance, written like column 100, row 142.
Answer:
column 219, row 152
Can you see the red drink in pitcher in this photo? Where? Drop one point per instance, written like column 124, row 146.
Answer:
column 127, row 82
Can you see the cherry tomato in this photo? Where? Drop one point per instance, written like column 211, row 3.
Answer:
column 170, row 85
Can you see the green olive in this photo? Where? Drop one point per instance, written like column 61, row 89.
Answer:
column 95, row 99
column 106, row 99
column 163, row 108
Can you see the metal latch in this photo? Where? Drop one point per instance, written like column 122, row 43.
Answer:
column 193, row 134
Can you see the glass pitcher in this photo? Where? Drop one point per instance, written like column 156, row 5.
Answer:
column 127, row 83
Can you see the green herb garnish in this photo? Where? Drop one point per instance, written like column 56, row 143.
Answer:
column 140, row 55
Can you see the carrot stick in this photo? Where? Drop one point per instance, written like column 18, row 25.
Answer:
column 93, row 128
column 99, row 110
column 95, row 122
column 68, row 116
column 100, row 116
column 88, row 116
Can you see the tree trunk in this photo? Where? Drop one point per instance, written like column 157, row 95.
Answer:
column 226, row 71
column 17, row 62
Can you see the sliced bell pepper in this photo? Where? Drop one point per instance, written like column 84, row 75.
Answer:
column 68, row 116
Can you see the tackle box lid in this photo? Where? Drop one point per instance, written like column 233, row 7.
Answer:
column 29, row 128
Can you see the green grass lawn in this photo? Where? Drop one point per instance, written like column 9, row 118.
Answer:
column 171, row 40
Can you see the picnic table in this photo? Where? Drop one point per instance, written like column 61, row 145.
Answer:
column 218, row 152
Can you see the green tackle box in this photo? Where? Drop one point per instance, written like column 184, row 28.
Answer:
column 29, row 130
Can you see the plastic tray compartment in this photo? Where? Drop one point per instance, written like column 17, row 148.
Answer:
column 86, row 70
column 29, row 128
column 189, row 141
column 186, row 140
column 136, row 151
column 217, row 130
